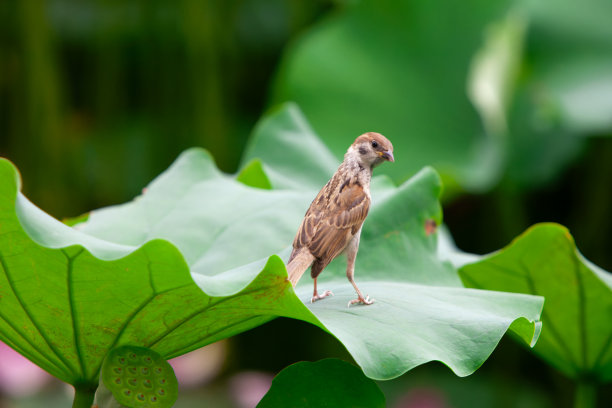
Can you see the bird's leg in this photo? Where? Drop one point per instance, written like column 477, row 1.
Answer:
column 360, row 298
column 316, row 296
column 351, row 254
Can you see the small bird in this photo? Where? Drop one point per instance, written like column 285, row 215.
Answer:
column 332, row 224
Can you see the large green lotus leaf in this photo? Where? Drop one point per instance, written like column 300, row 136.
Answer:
column 399, row 68
column 68, row 299
column 217, row 223
column 399, row 262
column 577, row 317
column 70, row 294
column 417, row 295
column 325, row 383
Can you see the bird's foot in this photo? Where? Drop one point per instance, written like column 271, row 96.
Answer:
column 325, row 294
column 361, row 300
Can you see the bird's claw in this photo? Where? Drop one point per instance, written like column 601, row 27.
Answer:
column 323, row 295
column 361, row 300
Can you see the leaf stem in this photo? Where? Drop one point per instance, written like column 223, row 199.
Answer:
column 586, row 395
column 84, row 395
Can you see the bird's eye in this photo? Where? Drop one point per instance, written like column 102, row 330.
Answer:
column 374, row 144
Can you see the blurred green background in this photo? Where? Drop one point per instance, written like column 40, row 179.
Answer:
column 511, row 101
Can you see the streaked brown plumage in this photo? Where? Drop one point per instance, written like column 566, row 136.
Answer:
column 332, row 224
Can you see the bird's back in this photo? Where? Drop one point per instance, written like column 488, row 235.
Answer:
column 333, row 218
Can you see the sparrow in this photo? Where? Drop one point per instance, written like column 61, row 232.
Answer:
column 332, row 224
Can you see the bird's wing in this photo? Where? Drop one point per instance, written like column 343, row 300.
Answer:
column 332, row 220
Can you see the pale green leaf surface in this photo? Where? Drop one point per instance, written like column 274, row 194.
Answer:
column 68, row 295
column 397, row 261
column 412, row 324
column 217, row 223
column 577, row 318
column 394, row 249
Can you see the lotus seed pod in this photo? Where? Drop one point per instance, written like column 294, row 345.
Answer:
column 136, row 377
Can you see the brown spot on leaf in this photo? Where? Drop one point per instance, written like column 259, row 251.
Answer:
column 430, row 227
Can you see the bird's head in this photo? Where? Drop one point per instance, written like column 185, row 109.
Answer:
column 371, row 149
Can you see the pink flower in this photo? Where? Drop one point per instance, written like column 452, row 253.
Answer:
column 249, row 387
column 200, row 366
column 19, row 376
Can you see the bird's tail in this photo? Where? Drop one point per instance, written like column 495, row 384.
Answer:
column 298, row 263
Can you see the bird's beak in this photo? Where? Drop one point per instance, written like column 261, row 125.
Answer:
column 388, row 155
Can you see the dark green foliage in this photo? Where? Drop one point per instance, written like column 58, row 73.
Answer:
column 325, row 383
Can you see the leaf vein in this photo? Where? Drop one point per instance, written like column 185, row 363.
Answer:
column 582, row 315
column 50, row 344
column 73, row 312
column 603, row 352
column 38, row 361
column 200, row 340
column 209, row 305
column 550, row 326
